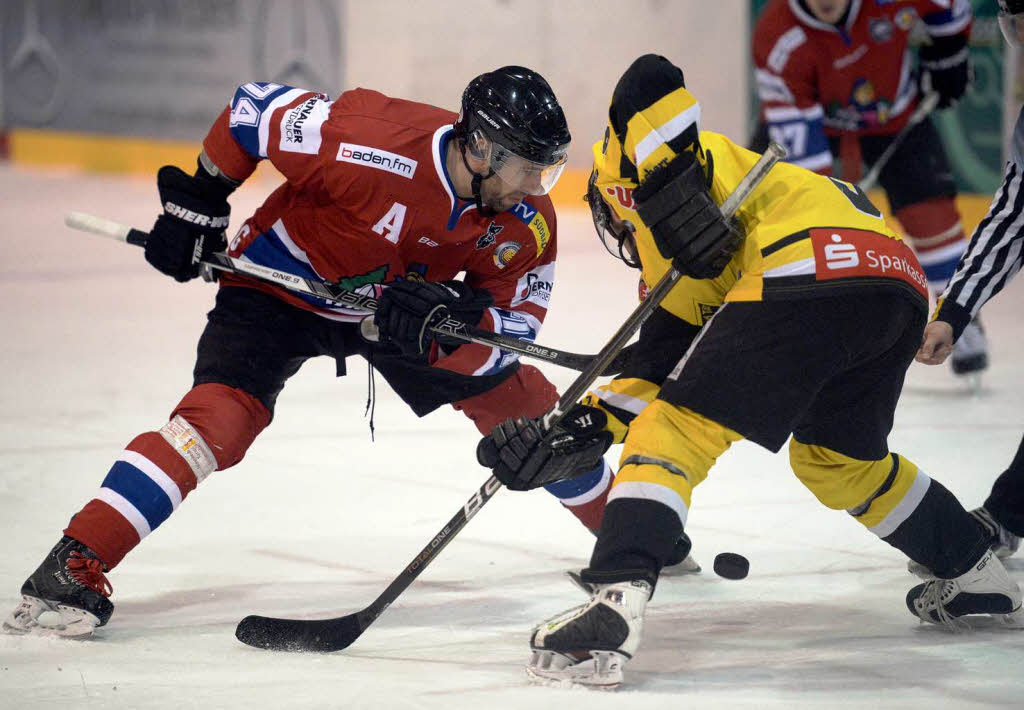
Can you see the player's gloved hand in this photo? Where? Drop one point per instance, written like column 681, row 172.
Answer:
column 196, row 212
column 945, row 68
column 688, row 228
column 522, row 458
column 407, row 310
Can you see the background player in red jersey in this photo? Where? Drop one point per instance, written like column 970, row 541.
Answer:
column 836, row 77
column 382, row 195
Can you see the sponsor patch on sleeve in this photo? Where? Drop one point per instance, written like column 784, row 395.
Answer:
column 300, row 126
column 535, row 286
column 532, row 218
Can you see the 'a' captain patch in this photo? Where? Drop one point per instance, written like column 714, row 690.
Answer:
column 532, row 218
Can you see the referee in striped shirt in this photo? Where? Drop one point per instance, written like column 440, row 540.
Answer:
column 993, row 257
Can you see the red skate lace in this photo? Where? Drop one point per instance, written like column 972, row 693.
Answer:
column 88, row 571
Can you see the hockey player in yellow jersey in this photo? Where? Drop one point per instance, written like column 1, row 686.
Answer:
column 796, row 321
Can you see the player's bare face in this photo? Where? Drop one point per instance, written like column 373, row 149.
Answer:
column 830, row 11
column 499, row 196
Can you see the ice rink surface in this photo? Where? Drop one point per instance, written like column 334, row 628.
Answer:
column 317, row 520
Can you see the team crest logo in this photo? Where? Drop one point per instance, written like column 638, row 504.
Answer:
column 906, row 18
column 863, row 93
column 488, row 238
column 505, row 253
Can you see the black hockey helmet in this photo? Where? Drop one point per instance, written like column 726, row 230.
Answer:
column 1011, row 21
column 510, row 118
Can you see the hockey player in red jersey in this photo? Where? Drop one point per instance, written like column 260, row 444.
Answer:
column 381, row 195
column 836, row 78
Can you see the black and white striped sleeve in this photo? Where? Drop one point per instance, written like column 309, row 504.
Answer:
column 994, row 255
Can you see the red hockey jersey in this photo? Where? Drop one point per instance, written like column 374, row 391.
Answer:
column 368, row 200
column 816, row 80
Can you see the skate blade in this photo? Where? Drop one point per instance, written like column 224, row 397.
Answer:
column 602, row 671
column 37, row 617
column 1013, row 620
column 920, row 571
column 687, row 566
column 974, row 383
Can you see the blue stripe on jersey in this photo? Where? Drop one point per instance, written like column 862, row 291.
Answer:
column 504, row 360
column 515, row 325
column 268, row 250
column 141, row 491
column 458, row 206
column 247, row 106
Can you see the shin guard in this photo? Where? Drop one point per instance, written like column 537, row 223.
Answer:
column 210, row 429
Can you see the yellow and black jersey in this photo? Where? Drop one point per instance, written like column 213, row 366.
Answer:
column 807, row 235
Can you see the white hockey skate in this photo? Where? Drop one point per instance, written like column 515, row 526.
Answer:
column 588, row 645
column 1004, row 542
column 970, row 354
column 986, row 588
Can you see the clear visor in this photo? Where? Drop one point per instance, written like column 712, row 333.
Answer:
column 615, row 234
column 520, row 174
column 1012, row 27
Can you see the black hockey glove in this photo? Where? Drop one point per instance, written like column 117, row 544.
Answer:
column 945, row 68
column 688, row 228
column 522, row 458
column 408, row 309
column 196, row 213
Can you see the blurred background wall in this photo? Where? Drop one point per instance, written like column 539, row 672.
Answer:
column 127, row 85
column 157, row 69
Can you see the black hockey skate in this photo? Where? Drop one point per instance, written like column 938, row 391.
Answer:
column 1002, row 542
column 66, row 596
column 986, row 588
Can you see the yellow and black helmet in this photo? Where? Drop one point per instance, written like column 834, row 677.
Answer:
column 651, row 119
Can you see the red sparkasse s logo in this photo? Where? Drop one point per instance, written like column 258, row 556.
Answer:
column 844, row 253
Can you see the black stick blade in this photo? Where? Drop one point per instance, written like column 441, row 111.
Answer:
column 318, row 636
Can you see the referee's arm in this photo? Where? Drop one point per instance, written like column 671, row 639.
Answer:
column 994, row 255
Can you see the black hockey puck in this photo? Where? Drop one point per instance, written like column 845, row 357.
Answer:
column 731, row 566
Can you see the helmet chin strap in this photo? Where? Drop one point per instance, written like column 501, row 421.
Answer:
column 475, row 184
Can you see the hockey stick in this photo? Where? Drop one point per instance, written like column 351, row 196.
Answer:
column 335, row 294
column 325, row 635
column 927, row 105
